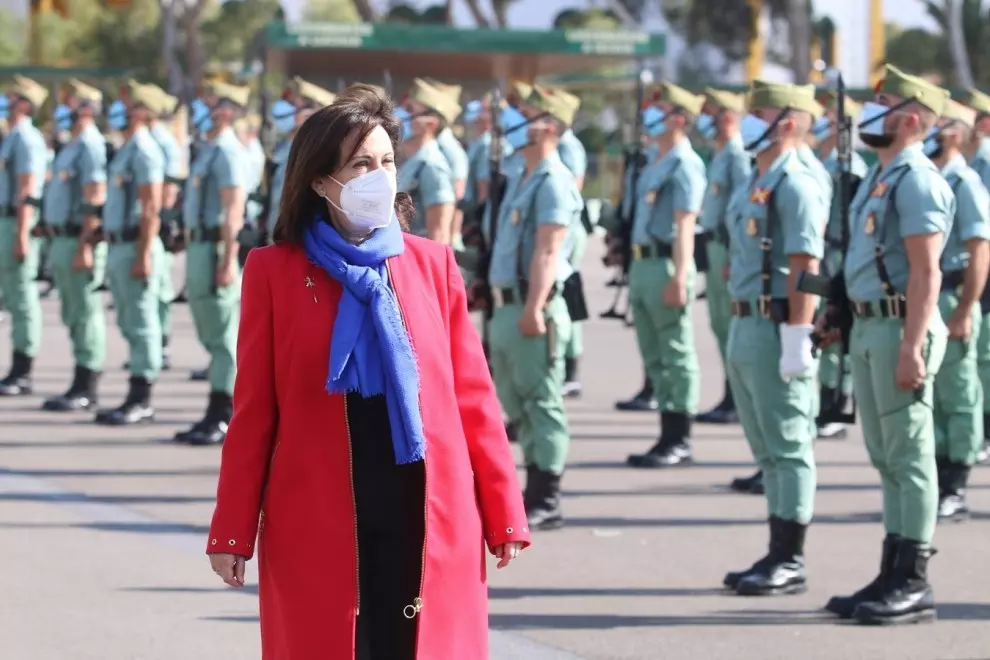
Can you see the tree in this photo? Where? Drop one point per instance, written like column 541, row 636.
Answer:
column 13, row 43
column 595, row 19
column 341, row 11
column 918, row 51
column 230, row 31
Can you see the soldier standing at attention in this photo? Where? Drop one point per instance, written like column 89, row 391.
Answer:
column 246, row 129
column 729, row 168
column 899, row 219
column 661, row 278
column 965, row 264
column 23, row 164
column 977, row 152
column 531, row 325
column 425, row 174
column 170, row 197
column 213, row 213
column 72, row 208
column 131, row 225
column 835, row 388
column 457, row 160
column 777, row 226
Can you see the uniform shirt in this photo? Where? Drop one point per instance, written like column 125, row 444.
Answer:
column 454, row 154
column 23, row 151
column 676, row 182
column 858, row 169
column 170, row 150
column 972, row 219
column 255, row 173
column 426, row 177
column 221, row 163
column 818, row 170
column 572, row 154
column 920, row 203
column 138, row 163
column 281, row 158
column 729, row 169
column 548, row 196
column 981, row 162
column 479, row 164
column 81, row 162
column 790, row 192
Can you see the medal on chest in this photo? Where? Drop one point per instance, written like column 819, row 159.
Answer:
column 650, row 196
column 752, row 227
column 760, row 196
column 515, row 217
column 879, row 190
column 870, row 225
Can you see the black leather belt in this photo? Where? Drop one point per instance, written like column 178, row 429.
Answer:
column 775, row 309
column 69, row 231
column 204, row 235
column 952, row 280
column 888, row 308
column 657, row 250
column 125, row 236
column 516, row 295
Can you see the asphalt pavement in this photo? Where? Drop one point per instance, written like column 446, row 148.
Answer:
column 102, row 534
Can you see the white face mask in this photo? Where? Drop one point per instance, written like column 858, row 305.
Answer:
column 368, row 200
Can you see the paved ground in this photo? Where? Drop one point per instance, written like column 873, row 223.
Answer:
column 101, row 537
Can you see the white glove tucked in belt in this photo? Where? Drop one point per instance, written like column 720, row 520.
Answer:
column 795, row 350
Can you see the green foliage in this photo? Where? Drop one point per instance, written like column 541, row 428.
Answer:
column 13, row 38
column 976, row 33
column 918, row 51
column 229, row 33
column 127, row 37
column 595, row 19
column 341, row 11
column 432, row 15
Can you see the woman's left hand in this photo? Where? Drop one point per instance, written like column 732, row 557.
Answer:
column 507, row 553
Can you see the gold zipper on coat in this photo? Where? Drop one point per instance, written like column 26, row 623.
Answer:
column 410, row 611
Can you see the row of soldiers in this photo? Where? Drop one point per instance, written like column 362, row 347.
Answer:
column 905, row 259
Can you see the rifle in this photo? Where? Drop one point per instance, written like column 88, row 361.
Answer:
column 832, row 287
column 635, row 160
column 496, row 190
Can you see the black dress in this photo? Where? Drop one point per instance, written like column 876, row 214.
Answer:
column 391, row 516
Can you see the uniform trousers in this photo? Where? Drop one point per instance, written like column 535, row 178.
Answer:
column 777, row 417
column 19, row 291
column 958, row 398
column 529, row 375
column 215, row 310
column 136, row 303
column 165, row 295
column 81, row 302
column 983, row 358
column 898, row 426
column 717, row 295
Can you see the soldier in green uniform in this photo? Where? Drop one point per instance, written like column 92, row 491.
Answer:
column 131, row 225
column 729, row 168
column 965, row 263
column 835, row 388
column 531, row 325
column 425, row 174
column 977, row 152
column 776, row 225
column 457, row 160
column 23, row 163
column 899, row 219
column 213, row 212
column 72, row 207
column 661, row 277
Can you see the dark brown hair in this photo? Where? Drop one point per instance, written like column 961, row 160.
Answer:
column 317, row 150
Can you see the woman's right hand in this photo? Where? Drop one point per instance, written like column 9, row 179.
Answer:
column 229, row 567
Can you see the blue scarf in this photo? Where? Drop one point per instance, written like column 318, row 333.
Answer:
column 370, row 351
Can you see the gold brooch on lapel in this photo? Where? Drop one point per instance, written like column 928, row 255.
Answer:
column 310, row 284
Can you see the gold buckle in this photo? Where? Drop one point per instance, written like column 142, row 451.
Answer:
column 763, row 305
column 497, row 297
column 894, row 306
column 637, row 252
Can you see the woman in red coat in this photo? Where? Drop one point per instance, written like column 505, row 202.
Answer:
column 366, row 435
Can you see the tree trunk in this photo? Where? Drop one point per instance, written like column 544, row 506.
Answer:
column 957, row 43
column 366, row 11
column 799, row 23
column 479, row 18
column 173, row 70
column 501, row 9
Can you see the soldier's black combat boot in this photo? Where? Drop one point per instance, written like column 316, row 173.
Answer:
column 81, row 394
column 952, row 480
column 18, row 381
column 213, row 429
column 542, row 500
column 135, row 409
column 784, row 573
column 642, row 401
column 723, row 413
column 200, row 375
column 831, row 403
column 733, row 578
column 906, row 597
column 844, row 606
column 572, row 383
column 752, row 484
column 673, row 449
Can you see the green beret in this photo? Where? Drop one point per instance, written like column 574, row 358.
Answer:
column 29, row 89
column 977, row 100
column 554, row 104
column 310, row 92
column 680, row 97
column 784, row 96
column 233, row 93
column 726, row 99
column 906, row 86
column 831, row 101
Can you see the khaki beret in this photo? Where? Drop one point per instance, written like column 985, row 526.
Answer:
column 568, row 98
column 680, row 97
column 906, row 86
column 84, row 92
column 520, row 90
column 233, row 93
column 976, row 100
column 726, row 100
column 167, row 103
column 29, row 89
column 553, row 104
column 310, row 92
column 250, row 123
column 831, row 101
column 435, row 99
column 147, row 95
column 784, row 96
column 453, row 91
column 960, row 113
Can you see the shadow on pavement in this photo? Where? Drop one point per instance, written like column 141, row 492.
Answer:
column 106, row 499
column 511, row 593
column 608, row 621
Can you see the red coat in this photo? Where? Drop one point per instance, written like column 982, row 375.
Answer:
column 287, row 459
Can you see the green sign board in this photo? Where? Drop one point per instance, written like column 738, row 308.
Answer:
column 442, row 38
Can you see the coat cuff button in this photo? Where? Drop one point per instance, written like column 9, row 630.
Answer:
column 232, row 542
column 508, row 530
column 213, row 542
